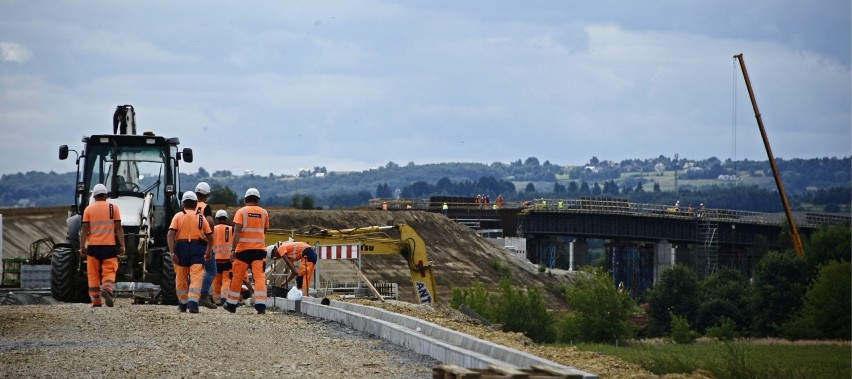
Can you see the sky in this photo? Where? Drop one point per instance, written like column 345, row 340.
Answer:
column 275, row 86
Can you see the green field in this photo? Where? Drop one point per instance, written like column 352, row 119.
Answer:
column 741, row 359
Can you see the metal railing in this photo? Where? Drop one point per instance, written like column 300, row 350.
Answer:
column 624, row 207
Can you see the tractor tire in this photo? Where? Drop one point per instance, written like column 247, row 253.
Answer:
column 168, row 292
column 67, row 284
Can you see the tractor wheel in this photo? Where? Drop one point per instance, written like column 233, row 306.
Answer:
column 168, row 292
column 67, row 283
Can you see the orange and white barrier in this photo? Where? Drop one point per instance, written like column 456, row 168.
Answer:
column 352, row 251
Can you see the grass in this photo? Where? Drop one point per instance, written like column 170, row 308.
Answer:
column 740, row 359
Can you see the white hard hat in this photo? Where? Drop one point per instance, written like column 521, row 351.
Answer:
column 189, row 196
column 252, row 192
column 221, row 213
column 99, row 189
column 202, row 188
column 269, row 250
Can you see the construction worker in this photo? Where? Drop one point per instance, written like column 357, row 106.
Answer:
column 445, row 209
column 297, row 251
column 499, row 201
column 222, row 237
column 202, row 190
column 190, row 243
column 249, row 250
column 99, row 234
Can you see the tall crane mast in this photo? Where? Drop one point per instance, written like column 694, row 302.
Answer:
column 794, row 232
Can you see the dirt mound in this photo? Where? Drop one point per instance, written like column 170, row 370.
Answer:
column 459, row 256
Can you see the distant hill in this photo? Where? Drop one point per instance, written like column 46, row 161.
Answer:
column 813, row 184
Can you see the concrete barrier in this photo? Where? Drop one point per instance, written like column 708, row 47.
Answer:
column 422, row 337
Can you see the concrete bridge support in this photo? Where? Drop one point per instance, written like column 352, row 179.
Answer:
column 664, row 257
column 579, row 251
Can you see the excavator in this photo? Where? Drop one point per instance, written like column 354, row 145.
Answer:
column 373, row 240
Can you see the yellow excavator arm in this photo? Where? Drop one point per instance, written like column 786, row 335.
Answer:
column 374, row 240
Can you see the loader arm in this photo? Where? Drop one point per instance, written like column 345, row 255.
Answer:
column 374, row 241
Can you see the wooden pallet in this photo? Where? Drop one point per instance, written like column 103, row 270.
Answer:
column 500, row 372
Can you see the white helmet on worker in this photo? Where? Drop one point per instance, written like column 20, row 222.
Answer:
column 221, row 213
column 202, row 188
column 252, row 192
column 99, row 189
column 189, row 196
column 269, row 250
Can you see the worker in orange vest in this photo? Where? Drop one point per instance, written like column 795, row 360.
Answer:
column 190, row 241
column 222, row 237
column 297, row 251
column 202, row 191
column 249, row 250
column 100, row 232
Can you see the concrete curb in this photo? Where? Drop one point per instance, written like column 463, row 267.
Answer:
column 422, row 337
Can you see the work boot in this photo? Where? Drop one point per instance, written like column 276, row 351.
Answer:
column 261, row 308
column 205, row 301
column 231, row 307
column 108, row 298
column 193, row 310
column 182, row 308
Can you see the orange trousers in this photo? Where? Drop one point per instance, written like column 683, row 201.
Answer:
column 306, row 273
column 101, row 274
column 221, row 285
column 239, row 273
column 189, row 291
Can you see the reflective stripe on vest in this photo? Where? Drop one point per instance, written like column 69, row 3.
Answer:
column 222, row 241
column 101, row 224
column 253, row 230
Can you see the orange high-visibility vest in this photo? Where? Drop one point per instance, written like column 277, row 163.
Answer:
column 255, row 221
column 292, row 250
column 190, row 226
column 101, row 217
column 222, row 235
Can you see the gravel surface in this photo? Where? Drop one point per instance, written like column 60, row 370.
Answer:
column 76, row 340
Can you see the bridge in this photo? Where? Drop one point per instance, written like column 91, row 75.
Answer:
column 642, row 240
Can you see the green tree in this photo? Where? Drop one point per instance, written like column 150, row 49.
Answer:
column 477, row 298
column 828, row 244
column 826, row 313
column 524, row 311
column 307, row 202
column 530, row 188
column 600, row 311
column 726, row 295
column 779, row 285
column 677, row 292
column 222, row 195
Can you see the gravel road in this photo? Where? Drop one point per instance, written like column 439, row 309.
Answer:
column 151, row 341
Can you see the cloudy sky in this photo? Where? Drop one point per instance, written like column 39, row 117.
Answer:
column 349, row 85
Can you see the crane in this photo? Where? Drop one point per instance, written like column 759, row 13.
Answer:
column 794, row 232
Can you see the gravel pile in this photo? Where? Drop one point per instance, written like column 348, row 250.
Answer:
column 76, row 340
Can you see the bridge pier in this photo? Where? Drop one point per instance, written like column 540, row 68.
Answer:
column 579, row 253
column 664, row 257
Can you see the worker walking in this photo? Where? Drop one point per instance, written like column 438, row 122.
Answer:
column 202, row 190
column 190, row 241
column 99, row 234
column 222, row 236
column 297, row 251
column 249, row 250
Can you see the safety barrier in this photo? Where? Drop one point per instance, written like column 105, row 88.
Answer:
column 422, row 337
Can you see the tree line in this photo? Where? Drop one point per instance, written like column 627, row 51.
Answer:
column 786, row 297
column 830, row 177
